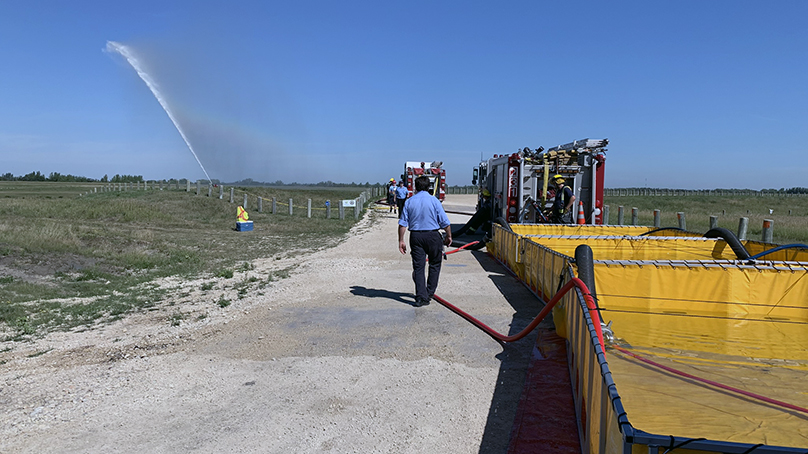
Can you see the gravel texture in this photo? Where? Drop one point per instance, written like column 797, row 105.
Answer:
column 333, row 358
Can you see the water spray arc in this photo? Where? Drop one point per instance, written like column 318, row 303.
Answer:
column 126, row 53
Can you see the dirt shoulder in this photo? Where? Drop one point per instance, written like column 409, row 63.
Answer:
column 333, row 358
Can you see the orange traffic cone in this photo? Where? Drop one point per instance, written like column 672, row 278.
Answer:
column 581, row 218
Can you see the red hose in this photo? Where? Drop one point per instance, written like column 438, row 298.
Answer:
column 593, row 313
column 462, row 247
column 768, row 400
column 574, row 282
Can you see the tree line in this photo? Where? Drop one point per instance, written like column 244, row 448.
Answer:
column 56, row 176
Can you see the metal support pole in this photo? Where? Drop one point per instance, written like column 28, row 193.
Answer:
column 260, row 204
column 657, row 219
column 232, row 194
column 713, row 222
column 605, row 214
column 682, row 222
column 308, row 209
column 245, row 202
column 620, row 215
column 290, row 207
column 328, row 209
column 274, row 205
column 635, row 218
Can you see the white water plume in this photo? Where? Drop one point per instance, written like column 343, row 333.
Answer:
column 126, row 53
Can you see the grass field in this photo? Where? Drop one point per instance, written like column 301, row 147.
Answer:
column 791, row 228
column 105, row 248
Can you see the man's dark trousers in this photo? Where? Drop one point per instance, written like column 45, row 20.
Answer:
column 423, row 245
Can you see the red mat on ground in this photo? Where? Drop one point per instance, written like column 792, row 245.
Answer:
column 545, row 420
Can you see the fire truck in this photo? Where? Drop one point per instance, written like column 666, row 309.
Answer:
column 433, row 170
column 521, row 186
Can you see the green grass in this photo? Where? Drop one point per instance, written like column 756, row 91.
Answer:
column 791, row 228
column 106, row 248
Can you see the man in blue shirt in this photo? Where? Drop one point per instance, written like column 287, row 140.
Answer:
column 423, row 214
column 401, row 196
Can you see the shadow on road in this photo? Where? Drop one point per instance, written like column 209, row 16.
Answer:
column 514, row 358
column 406, row 298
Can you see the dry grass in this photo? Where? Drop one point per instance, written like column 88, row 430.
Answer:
column 105, row 248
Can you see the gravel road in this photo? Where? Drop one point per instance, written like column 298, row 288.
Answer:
column 333, row 358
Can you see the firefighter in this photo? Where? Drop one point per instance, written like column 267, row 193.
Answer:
column 391, row 195
column 563, row 203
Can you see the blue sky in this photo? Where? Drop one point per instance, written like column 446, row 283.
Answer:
column 691, row 94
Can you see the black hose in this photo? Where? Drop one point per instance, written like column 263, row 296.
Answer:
column 720, row 232
column 652, row 232
column 501, row 221
column 586, row 269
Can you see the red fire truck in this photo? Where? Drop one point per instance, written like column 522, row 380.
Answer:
column 433, row 170
column 520, row 183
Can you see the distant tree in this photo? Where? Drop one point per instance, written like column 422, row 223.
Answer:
column 8, row 177
column 126, row 178
column 105, row 179
column 33, row 176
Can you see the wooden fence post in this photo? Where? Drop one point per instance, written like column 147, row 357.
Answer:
column 308, row 209
column 290, row 207
column 260, row 204
column 341, row 211
column 682, row 222
column 620, row 215
column 245, row 201
column 657, row 219
column 274, row 205
column 605, row 214
column 743, row 225
column 768, row 227
column 635, row 218
column 232, row 194
column 328, row 209
column 221, row 192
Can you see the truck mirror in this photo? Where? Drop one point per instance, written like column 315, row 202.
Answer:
column 474, row 181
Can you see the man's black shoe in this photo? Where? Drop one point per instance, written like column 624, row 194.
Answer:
column 419, row 301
